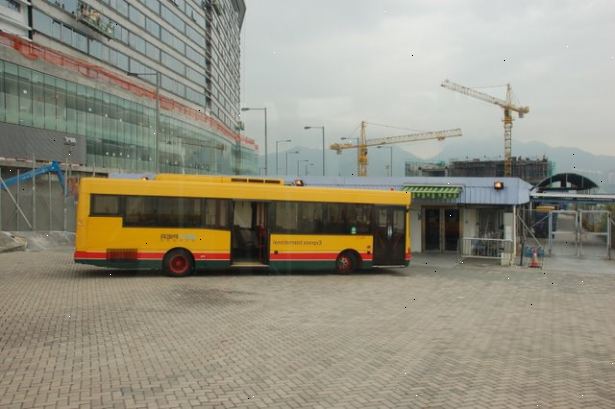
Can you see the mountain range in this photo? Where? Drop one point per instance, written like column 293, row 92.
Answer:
column 599, row 168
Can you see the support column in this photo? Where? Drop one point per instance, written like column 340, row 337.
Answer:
column 33, row 193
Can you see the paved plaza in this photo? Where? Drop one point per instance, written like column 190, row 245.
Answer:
column 435, row 335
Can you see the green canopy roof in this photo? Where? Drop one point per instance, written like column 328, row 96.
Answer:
column 433, row 192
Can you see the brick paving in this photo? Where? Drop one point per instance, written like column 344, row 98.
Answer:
column 447, row 336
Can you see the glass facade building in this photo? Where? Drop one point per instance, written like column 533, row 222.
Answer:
column 97, row 68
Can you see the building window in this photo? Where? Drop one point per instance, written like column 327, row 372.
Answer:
column 120, row 33
column 195, row 56
column 195, row 96
column 41, row 22
column 121, row 6
column 173, row 63
column 195, row 76
column 194, row 35
column 152, row 27
column 153, row 5
column 172, row 41
column 137, row 17
column 152, row 51
column 173, row 86
column 179, row 3
column 173, row 19
column 137, row 43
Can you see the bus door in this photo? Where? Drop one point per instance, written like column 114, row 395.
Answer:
column 250, row 233
column 389, row 227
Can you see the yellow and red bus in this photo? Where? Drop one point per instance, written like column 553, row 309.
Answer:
column 181, row 223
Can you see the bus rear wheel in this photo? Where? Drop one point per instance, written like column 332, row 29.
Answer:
column 178, row 263
column 346, row 263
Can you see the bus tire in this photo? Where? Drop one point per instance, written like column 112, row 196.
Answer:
column 178, row 263
column 347, row 262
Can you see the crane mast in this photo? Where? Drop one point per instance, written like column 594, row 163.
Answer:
column 506, row 105
column 364, row 143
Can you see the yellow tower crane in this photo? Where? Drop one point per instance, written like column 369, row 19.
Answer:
column 364, row 143
column 506, row 105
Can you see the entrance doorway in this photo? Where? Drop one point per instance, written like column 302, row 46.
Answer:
column 451, row 229
column 250, row 233
column 432, row 229
column 441, row 229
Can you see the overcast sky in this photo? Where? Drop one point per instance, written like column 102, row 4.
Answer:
column 337, row 62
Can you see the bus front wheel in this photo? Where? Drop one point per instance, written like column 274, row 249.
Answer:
column 346, row 263
column 178, row 263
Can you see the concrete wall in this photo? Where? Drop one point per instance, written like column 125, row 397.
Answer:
column 470, row 222
column 14, row 22
column 25, row 142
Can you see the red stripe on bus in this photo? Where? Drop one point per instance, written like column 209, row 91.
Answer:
column 212, row 256
column 90, row 254
column 99, row 255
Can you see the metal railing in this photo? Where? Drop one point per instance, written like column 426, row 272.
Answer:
column 473, row 247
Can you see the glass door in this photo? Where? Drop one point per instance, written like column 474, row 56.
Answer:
column 451, row 229
column 432, row 229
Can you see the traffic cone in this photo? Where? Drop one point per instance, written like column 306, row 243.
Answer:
column 534, row 263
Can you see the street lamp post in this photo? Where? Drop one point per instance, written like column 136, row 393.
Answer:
column 277, row 143
column 286, row 160
column 390, row 148
column 69, row 142
column 307, row 168
column 323, row 144
column 299, row 163
column 264, row 109
column 157, row 74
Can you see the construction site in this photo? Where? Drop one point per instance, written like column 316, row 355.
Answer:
column 533, row 171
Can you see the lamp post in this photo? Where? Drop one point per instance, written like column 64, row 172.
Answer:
column 286, row 160
column 307, row 168
column 299, row 163
column 157, row 74
column 277, row 143
column 264, row 109
column 390, row 148
column 322, row 128
column 69, row 142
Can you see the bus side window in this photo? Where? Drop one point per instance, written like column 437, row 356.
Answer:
column 215, row 213
column 105, row 205
column 286, row 217
column 140, row 211
column 363, row 218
